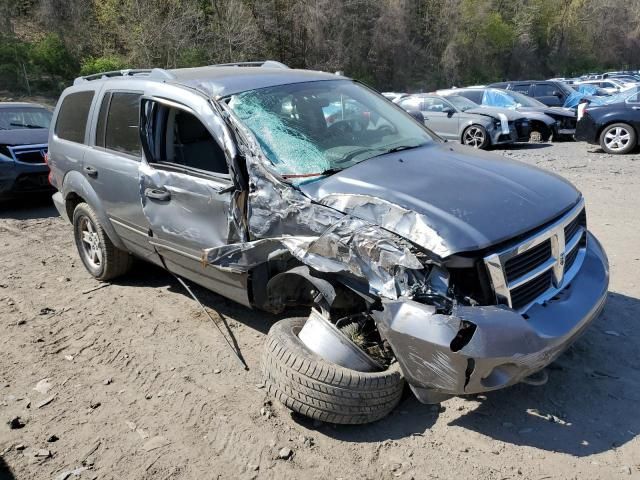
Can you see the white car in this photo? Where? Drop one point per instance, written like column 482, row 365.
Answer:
column 611, row 86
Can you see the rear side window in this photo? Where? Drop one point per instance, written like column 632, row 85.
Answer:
column 521, row 87
column 545, row 90
column 72, row 117
column 118, row 129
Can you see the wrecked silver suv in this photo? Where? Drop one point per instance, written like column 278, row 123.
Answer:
column 456, row 271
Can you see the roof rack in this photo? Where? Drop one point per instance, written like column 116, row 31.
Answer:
column 262, row 63
column 154, row 74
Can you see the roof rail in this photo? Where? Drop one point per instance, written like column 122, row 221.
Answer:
column 154, row 74
column 262, row 63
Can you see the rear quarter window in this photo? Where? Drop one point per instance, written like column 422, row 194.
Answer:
column 72, row 118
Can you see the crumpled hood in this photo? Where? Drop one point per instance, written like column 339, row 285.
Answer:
column 447, row 198
column 30, row 136
column 495, row 112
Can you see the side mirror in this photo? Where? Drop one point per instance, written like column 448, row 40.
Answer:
column 557, row 93
column 448, row 110
column 417, row 114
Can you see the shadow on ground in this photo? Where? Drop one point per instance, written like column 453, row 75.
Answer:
column 5, row 471
column 589, row 405
column 40, row 206
column 146, row 274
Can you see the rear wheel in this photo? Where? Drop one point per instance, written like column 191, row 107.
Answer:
column 99, row 255
column 316, row 388
column 618, row 138
column 475, row 136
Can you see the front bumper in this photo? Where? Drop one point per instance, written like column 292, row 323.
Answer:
column 505, row 346
column 22, row 179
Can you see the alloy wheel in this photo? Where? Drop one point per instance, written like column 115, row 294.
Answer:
column 474, row 137
column 91, row 247
column 617, row 138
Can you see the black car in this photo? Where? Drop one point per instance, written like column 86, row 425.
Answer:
column 551, row 93
column 24, row 132
column 615, row 127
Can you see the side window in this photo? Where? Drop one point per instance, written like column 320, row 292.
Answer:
column 430, row 104
column 121, row 125
column 474, row 95
column 545, row 90
column 634, row 98
column 411, row 103
column 72, row 117
column 522, row 88
column 178, row 138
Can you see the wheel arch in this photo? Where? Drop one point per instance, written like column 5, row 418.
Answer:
column 76, row 189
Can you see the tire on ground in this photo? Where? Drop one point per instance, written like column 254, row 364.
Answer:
column 486, row 143
column 311, row 386
column 628, row 147
column 115, row 262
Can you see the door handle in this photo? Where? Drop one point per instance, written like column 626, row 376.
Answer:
column 157, row 194
column 90, row 171
column 635, row 108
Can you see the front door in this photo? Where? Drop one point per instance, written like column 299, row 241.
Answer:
column 186, row 187
column 441, row 117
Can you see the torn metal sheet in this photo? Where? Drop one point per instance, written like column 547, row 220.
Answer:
column 409, row 224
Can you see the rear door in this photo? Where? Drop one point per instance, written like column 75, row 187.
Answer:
column 186, row 188
column 112, row 164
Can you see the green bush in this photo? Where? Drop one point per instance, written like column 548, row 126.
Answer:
column 108, row 63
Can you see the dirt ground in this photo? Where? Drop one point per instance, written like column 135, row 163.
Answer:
column 136, row 383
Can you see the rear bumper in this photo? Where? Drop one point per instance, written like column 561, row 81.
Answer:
column 58, row 201
column 504, row 348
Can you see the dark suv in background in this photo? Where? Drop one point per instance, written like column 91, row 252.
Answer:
column 24, row 131
column 551, row 93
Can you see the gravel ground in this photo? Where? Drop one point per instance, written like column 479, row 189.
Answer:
column 131, row 381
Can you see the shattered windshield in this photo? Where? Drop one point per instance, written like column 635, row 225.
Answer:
column 17, row 118
column 461, row 103
column 308, row 130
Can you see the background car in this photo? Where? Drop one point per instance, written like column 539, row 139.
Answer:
column 615, row 126
column 545, row 122
column 24, row 128
column 551, row 93
column 610, row 86
column 457, row 118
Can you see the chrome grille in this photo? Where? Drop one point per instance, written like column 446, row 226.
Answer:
column 535, row 269
column 519, row 265
column 33, row 154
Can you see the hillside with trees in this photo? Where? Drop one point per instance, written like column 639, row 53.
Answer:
column 389, row 44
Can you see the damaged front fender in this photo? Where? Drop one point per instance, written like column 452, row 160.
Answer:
column 477, row 349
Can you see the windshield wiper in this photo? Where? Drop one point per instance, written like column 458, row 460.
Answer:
column 329, row 171
column 24, row 125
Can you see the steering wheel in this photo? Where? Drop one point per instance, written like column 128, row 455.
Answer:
column 346, row 127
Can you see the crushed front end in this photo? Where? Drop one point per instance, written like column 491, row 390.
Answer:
column 548, row 288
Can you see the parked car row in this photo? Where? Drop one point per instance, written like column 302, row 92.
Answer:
column 601, row 109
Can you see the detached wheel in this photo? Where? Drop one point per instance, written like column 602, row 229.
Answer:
column 476, row 136
column 311, row 386
column 98, row 254
column 618, row 138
